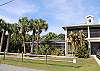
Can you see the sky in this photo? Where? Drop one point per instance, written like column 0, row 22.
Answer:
column 57, row 13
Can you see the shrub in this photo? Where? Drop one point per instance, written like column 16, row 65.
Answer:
column 56, row 51
column 82, row 52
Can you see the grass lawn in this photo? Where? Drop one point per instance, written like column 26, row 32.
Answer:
column 82, row 64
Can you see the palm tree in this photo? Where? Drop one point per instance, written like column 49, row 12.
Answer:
column 24, row 22
column 74, row 40
column 82, row 38
column 79, row 44
column 32, row 27
column 16, row 36
column 82, row 50
column 37, row 26
column 10, row 29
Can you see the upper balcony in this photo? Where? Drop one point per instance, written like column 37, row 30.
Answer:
column 94, row 29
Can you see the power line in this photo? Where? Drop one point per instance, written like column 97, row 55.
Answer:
column 6, row 2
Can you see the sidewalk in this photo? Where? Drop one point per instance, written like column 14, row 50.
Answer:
column 5, row 67
column 97, row 60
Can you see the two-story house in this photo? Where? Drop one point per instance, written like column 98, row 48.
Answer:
column 91, row 30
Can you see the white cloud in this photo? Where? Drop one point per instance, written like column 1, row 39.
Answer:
column 8, row 20
column 20, row 7
column 64, row 10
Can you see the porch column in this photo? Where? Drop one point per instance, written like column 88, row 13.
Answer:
column 89, row 44
column 88, row 32
column 66, row 43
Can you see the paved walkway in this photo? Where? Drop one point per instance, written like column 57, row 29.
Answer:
column 5, row 67
column 97, row 60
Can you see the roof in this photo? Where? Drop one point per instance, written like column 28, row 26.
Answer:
column 83, row 26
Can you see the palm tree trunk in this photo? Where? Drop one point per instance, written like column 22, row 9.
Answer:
column 32, row 47
column 38, row 43
column 24, row 49
column 38, row 40
column 7, row 43
column 2, row 40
